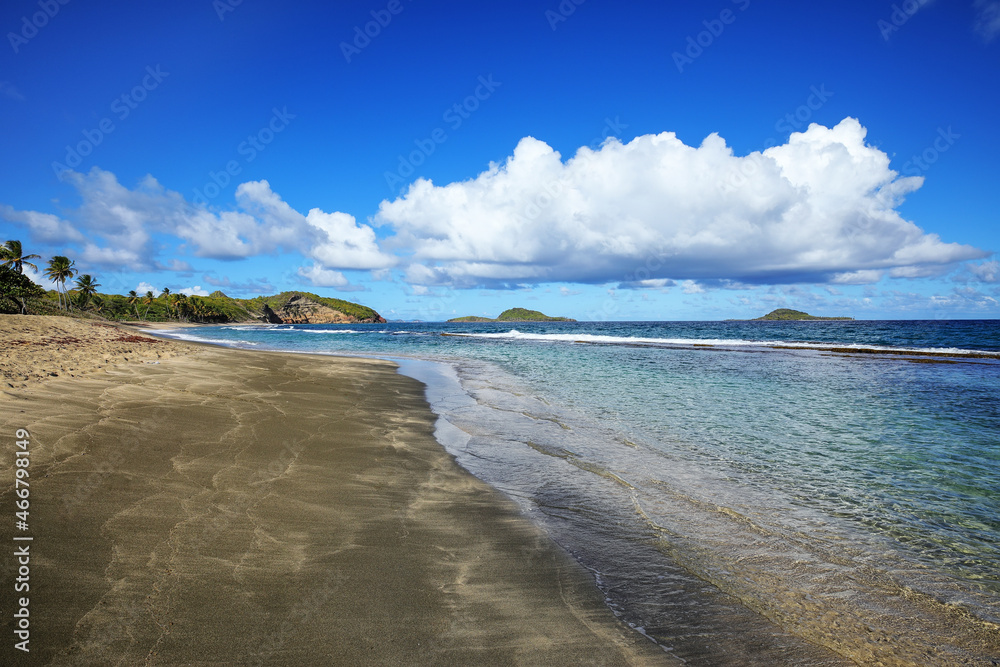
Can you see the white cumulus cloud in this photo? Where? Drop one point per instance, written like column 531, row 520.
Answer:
column 321, row 277
column 43, row 226
column 820, row 208
column 144, row 287
column 335, row 240
column 115, row 225
column 38, row 277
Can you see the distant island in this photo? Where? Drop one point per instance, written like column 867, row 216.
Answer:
column 514, row 315
column 785, row 314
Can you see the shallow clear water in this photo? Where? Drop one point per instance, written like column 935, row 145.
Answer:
column 745, row 492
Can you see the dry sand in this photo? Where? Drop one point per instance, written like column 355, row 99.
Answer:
column 229, row 507
column 37, row 347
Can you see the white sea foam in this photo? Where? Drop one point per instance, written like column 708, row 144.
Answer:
column 260, row 327
column 596, row 339
column 330, row 331
column 173, row 333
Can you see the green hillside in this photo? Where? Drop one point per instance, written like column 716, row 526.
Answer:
column 784, row 314
column 525, row 315
column 18, row 293
column 514, row 315
column 278, row 300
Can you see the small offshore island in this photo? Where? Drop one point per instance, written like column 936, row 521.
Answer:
column 514, row 315
column 787, row 314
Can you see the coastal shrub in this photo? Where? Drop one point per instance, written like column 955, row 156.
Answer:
column 15, row 290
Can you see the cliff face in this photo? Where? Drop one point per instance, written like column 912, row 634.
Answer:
column 303, row 310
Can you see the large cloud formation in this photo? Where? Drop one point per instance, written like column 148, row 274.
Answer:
column 820, row 208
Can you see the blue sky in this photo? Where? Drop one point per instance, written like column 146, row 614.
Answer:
column 589, row 159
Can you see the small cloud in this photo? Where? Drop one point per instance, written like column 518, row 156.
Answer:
column 987, row 272
column 918, row 271
column 865, row 277
column 178, row 265
column 321, row 277
column 988, row 18
column 692, row 287
column 144, row 287
column 255, row 287
column 38, row 278
column 565, row 291
column 194, row 291
column 8, row 90
column 43, row 226
column 653, row 283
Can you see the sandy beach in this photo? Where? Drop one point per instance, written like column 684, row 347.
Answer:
column 204, row 506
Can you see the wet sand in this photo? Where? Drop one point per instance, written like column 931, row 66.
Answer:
column 230, row 507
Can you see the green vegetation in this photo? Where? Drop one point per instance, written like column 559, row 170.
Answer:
column 60, row 270
column 514, row 315
column 15, row 291
column 86, row 288
column 18, row 294
column 789, row 314
column 12, row 257
column 217, row 308
column 278, row 300
column 525, row 315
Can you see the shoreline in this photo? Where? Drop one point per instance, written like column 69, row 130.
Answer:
column 541, row 475
column 234, row 505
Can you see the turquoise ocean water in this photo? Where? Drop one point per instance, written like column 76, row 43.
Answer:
column 744, row 492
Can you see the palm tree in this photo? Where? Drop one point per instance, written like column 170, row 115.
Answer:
column 133, row 300
column 13, row 255
column 165, row 293
column 147, row 299
column 88, row 287
column 201, row 310
column 180, row 304
column 195, row 307
column 60, row 270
